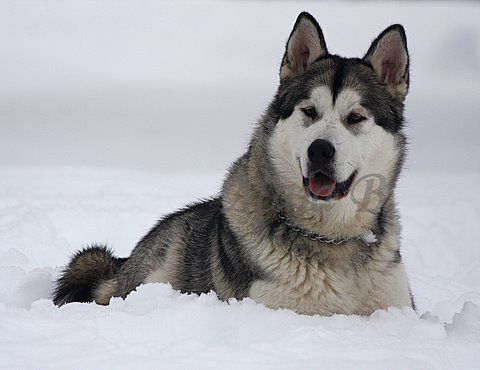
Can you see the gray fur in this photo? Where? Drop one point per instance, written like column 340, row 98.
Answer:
column 237, row 246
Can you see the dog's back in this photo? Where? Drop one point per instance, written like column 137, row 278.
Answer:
column 193, row 249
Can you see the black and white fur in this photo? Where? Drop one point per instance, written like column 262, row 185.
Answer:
column 237, row 245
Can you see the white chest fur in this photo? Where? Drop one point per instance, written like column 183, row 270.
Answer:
column 311, row 287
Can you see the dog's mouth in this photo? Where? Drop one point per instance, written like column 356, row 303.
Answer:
column 320, row 186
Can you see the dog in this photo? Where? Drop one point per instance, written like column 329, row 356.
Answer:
column 306, row 219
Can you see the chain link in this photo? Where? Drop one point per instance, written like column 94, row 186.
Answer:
column 310, row 235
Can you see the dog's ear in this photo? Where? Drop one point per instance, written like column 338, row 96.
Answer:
column 305, row 45
column 388, row 55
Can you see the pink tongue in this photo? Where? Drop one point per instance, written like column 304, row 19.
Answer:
column 322, row 185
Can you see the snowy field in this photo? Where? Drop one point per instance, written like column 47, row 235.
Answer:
column 115, row 113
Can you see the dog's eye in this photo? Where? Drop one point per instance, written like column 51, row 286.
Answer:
column 354, row 118
column 310, row 112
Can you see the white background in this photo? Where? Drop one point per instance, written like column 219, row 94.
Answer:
column 178, row 86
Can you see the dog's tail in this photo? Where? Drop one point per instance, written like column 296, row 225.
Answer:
column 87, row 269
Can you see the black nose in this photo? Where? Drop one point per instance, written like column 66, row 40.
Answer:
column 320, row 151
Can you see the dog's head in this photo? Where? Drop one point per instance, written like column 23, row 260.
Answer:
column 338, row 120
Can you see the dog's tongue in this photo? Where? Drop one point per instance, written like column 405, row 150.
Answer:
column 322, row 185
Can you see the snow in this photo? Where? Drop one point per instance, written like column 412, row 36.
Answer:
column 46, row 213
column 466, row 324
column 113, row 114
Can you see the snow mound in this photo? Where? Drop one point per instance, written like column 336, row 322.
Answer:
column 158, row 326
column 466, row 323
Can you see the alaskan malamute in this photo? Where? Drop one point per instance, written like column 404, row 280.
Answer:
column 306, row 218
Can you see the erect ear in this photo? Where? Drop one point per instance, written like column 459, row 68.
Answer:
column 388, row 56
column 305, row 45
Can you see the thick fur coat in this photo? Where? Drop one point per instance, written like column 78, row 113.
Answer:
column 286, row 230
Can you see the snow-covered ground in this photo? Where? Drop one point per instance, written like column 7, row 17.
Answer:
column 46, row 213
column 115, row 113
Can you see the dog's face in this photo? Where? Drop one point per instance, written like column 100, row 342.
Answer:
column 339, row 119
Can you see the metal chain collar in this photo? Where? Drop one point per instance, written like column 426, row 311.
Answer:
column 368, row 238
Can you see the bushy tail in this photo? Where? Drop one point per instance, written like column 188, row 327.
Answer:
column 86, row 270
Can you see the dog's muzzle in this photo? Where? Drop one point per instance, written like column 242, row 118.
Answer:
column 321, row 183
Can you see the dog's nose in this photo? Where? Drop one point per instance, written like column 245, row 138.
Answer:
column 321, row 151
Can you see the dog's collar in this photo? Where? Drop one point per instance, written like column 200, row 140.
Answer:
column 367, row 238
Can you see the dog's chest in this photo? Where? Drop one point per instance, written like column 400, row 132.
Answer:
column 307, row 290
column 308, row 286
